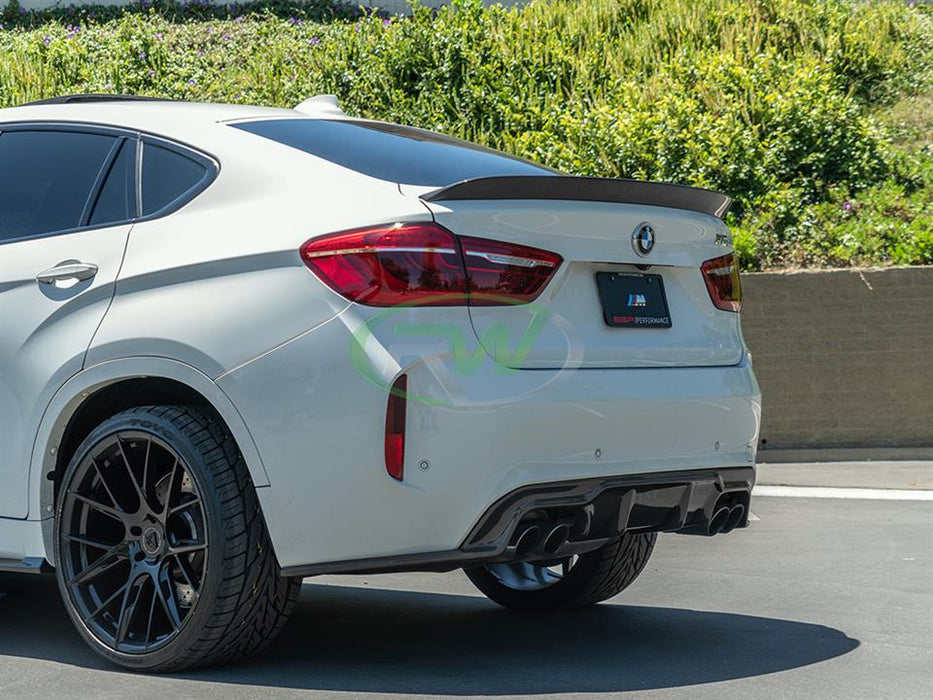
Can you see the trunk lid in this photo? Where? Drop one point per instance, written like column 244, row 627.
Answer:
column 565, row 326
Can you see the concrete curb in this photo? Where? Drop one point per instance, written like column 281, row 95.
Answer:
column 903, row 475
column 843, row 454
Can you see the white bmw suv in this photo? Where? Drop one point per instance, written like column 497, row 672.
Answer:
column 242, row 345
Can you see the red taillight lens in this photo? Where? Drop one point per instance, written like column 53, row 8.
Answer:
column 395, row 427
column 386, row 266
column 504, row 273
column 722, row 280
column 427, row 265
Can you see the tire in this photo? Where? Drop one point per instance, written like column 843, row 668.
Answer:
column 201, row 577
column 593, row 578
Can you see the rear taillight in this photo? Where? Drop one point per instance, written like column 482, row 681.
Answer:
column 386, row 266
column 722, row 280
column 504, row 273
column 426, row 265
column 395, row 427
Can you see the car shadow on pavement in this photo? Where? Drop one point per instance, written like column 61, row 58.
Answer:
column 376, row 640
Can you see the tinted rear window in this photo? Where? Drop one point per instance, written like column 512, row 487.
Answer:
column 117, row 198
column 46, row 178
column 391, row 152
column 167, row 176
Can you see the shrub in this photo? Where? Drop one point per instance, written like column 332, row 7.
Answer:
column 784, row 104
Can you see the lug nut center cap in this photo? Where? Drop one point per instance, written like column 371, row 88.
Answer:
column 152, row 540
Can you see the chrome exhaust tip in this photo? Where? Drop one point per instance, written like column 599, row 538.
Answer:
column 555, row 539
column 718, row 521
column 527, row 540
column 736, row 514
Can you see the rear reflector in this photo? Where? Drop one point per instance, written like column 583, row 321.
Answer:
column 395, row 428
column 426, row 265
column 722, row 280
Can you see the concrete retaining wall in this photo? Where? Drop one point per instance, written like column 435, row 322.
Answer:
column 844, row 357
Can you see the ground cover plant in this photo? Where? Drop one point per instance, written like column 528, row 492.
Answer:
column 815, row 115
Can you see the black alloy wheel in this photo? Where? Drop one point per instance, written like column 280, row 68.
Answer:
column 134, row 542
column 163, row 558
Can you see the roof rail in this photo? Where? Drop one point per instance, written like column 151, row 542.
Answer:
column 92, row 97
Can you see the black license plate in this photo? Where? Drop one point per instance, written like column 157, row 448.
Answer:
column 633, row 300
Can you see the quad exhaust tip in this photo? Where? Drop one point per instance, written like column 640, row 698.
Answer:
column 555, row 539
column 736, row 513
column 718, row 521
column 527, row 540
column 726, row 519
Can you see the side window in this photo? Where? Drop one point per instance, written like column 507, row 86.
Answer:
column 46, row 178
column 167, row 175
column 117, row 198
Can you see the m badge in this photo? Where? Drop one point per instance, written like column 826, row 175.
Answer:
column 636, row 300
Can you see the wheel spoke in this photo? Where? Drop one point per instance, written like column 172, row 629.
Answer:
column 168, row 492
column 146, row 463
column 167, row 598
column 187, row 548
column 143, row 501
column 100, row 507
column 152, row 607
column 187, row 504
column 105, row 562
column 103, row 481
column 89, row 542
column 103, row 606
column 189, row 574
column 128, row 607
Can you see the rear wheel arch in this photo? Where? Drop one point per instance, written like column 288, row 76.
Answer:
column 99, row 393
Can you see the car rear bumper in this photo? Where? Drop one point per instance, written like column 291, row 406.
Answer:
column 593, row 511
column 473, row 437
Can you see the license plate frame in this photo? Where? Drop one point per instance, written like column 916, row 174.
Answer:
column 633, row 300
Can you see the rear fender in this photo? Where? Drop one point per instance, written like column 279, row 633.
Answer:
column 76, row 390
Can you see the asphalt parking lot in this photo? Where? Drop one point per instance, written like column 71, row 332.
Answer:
column 821, row 598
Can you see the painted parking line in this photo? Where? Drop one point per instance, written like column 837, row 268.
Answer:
column 830, row 492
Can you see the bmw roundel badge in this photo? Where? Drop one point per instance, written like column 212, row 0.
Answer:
column 643, row 239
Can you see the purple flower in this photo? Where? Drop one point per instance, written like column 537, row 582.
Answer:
column 199, row 52
column 142, row 55
column 225, row 37
column 191, row 81
column 47, row 41
column 210, row 30
column 158, row 35
column 151, row 73
column 314, row 41
column 386, row 22
column 72, row 35
column 847, row 206
column 294, row 21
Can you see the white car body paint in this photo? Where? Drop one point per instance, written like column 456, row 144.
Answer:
column 215, row 296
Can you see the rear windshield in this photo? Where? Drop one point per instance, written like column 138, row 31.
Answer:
column 391, row 152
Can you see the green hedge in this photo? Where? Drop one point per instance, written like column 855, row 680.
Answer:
column 788, row 105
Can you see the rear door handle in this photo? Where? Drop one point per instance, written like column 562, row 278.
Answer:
column 68, row 270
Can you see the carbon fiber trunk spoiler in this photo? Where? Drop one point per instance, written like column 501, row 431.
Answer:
column 585, row 189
